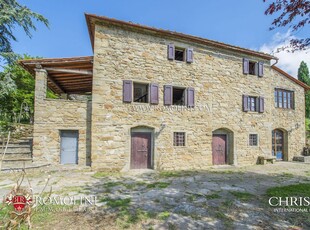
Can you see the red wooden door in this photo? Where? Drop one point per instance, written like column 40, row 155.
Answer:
column 141, row 150
column 219, row 149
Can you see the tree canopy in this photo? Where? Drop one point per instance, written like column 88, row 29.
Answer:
column 303, row 75
column 13, row 14
column 17, row 88
column 292, row 13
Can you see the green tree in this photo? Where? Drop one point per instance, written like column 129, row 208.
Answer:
column 17, row 88
column 303, row 75
column 294, row 14
column 13, row 14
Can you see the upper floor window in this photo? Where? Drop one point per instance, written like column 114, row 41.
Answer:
column 180, row 54
column 179, row 96
column 284, row 99
column 140, row 92
column 253, row 103
column 253, row 67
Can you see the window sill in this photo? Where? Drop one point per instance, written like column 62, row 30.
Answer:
column 285, row 109
column 254, row 112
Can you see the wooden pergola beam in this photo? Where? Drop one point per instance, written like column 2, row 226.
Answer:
column 58, row 88
column 76, row 71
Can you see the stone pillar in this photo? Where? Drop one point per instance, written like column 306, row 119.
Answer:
column 39, row 96
column 41, row 84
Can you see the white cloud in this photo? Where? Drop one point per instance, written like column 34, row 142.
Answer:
column 288, row 61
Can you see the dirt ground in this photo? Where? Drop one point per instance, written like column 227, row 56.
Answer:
column 218, row 198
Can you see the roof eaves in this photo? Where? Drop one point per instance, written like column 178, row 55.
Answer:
column 305, row 86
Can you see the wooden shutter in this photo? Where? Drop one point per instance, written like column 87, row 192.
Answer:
column 260, row 69
column 127, row 91
column 154, row 93
column 189, row 55
column 171, row 52
column 190, row 97
column 246, row 66
column 256, row 69
column 245, row 103
column 293, row 100
column 257, row 104
column 261, row 104
column 168, row 94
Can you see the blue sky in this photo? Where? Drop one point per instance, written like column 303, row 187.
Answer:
column 240, row 23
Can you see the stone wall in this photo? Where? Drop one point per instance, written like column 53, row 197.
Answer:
column 291, row 121
column 219, row 83
column 54, row 115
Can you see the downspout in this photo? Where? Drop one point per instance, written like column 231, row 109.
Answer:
column 277, row 60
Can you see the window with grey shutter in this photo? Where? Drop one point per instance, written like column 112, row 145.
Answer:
column 260, row 69
column 261, row 104
column 256, row 69
column 245, row 103
column 154, row 93
column 168, row 95
column 171, row 52
column 127, row 91
column 256, row 104
column 189, row 55
column 190, row 97
column 246, row 63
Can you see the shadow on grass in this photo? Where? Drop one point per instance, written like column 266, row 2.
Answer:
column 221, row 199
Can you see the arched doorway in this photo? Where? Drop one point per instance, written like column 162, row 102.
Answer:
column 279, row 144
column 222, row 147
column 142, row 145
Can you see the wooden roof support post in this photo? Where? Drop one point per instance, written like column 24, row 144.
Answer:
column 40, row 85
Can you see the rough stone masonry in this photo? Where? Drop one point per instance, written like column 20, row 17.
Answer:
column 123, row 53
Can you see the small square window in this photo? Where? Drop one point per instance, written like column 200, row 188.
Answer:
column 178, row 96
column 179, row 139
column 179, row 54
column 253, row 139
column 141, row 92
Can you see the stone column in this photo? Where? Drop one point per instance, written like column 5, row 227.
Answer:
column 41, row 84
column 39, row 96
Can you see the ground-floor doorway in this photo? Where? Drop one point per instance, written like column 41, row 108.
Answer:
column 69, row 146
column 141, row 150
column 279, row 143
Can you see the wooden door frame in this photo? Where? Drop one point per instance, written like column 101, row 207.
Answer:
column 274, row 148
column 226, row 147
column 150, row 159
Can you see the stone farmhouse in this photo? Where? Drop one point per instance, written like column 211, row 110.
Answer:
column 154, row 99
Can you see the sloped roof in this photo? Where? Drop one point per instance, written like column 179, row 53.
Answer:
column 65, row 75
column 305, row 86
column 75, row 75
column 92, row 19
